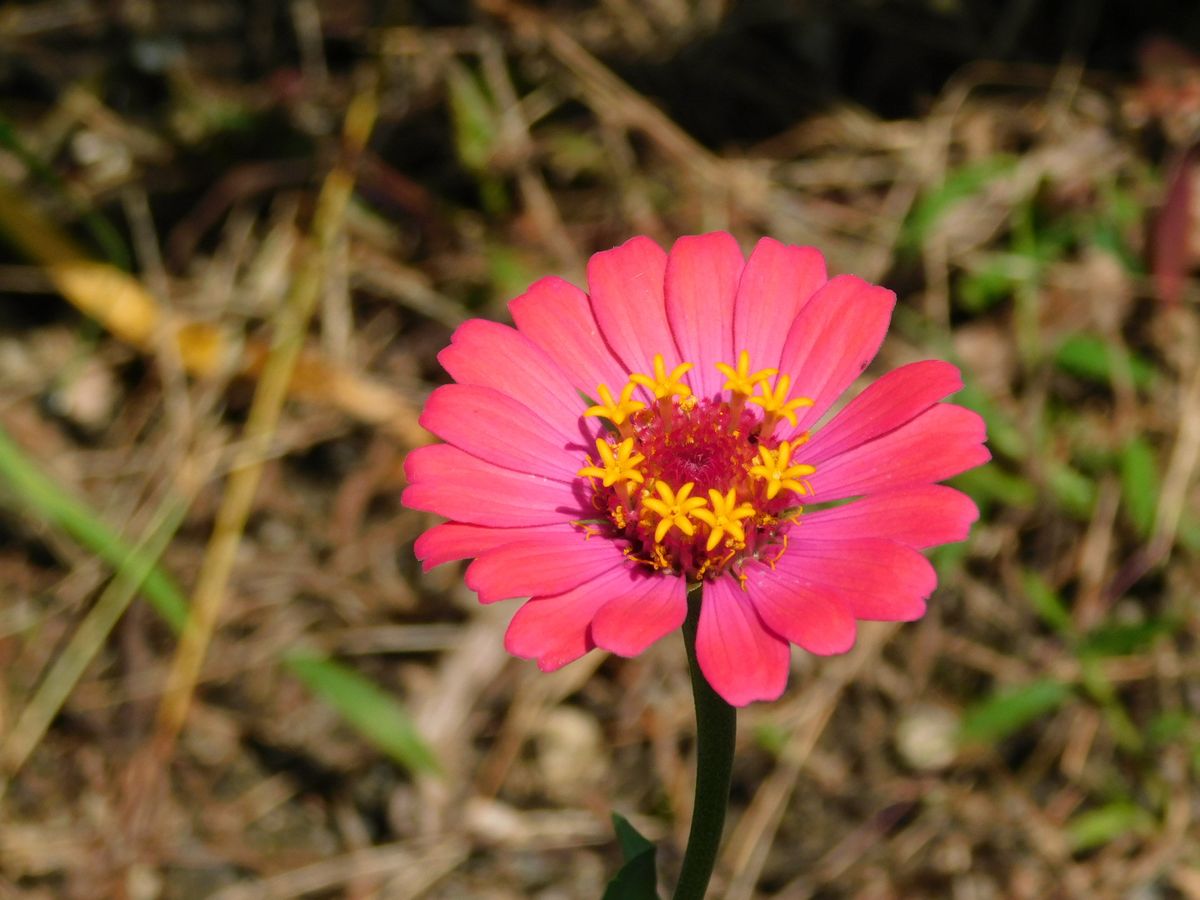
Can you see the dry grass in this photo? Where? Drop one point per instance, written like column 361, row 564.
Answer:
column 1036, row 735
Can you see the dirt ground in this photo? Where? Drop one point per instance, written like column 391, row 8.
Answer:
column 194, row 197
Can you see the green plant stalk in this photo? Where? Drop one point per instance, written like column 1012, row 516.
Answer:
column 716, row 729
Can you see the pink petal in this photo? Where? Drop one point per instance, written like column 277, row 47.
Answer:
column 833, row 339
column 496, row 428
column 650, row 607
column 808, row 617
column 777, row 282
column 888, row 403
column 922, row 516
column 494, row 355
column 556, row 317
column 740, row 657
column 557, row 630
column 873, row 579
column 626, row 286
column 452, row 541
column 701, row 280
column 447, row 481
column 941, row 442
column 547, row 565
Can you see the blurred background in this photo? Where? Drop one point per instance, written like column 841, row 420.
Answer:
column 234, row 235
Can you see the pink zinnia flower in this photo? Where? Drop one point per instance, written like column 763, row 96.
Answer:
column 618, row 446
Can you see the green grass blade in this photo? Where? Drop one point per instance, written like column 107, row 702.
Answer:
column 989, row 484
column 90, row 636
column 104, row 233
column 1098, row 827
column 1009, row 711
column 1047, row 603
column 28, row 490
column 1139, row 485
column 1092, row 358
column 1074, row 492
column 372, row 711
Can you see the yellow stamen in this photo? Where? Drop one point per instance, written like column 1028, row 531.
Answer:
column 778, row 556
column 741, row 380
column 660, row 558
column 725, row 517
column 777, row 470
column 775, row 403
column 675, row 509
column 664, row 384
column 629, row 554
column 616, row 411
column 621, row 466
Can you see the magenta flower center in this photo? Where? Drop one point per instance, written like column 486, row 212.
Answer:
column 699, row 442
column 696, row 486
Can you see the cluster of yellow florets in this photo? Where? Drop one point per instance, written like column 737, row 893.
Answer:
column 745, row 483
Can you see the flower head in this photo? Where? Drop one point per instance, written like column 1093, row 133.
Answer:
column 711, row 465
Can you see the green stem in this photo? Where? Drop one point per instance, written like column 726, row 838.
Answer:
column 716, row 728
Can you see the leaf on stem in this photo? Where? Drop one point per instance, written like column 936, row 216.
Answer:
column 636, row 879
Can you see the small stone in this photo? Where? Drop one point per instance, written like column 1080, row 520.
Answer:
column 927, row 737
column 571, row 759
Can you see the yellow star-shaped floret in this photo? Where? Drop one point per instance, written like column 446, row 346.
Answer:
column 620, row 466
column 777, row 470
column 675, row 509
column 664, row 384
column 616, row 411
column 741, row 380
column 725, row 517
column 775, row 401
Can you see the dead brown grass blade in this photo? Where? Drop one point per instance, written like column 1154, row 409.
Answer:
column 241, row 488
column 123, row 306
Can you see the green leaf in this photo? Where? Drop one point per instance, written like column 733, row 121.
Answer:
column 1098, row 827
column 508, row 271
column 1189, row 533
column 771, row 737
column 1074, row 491
column 1172, row 726
column 636, row 879
column 475, row 127
column 1092, row 358
column 1139, row 485
column 1125, row 639
column 373, row 712
column 959, row 185
column 984, row 287
column 1046, row 603
column 1008, row 711
column 991, row 483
